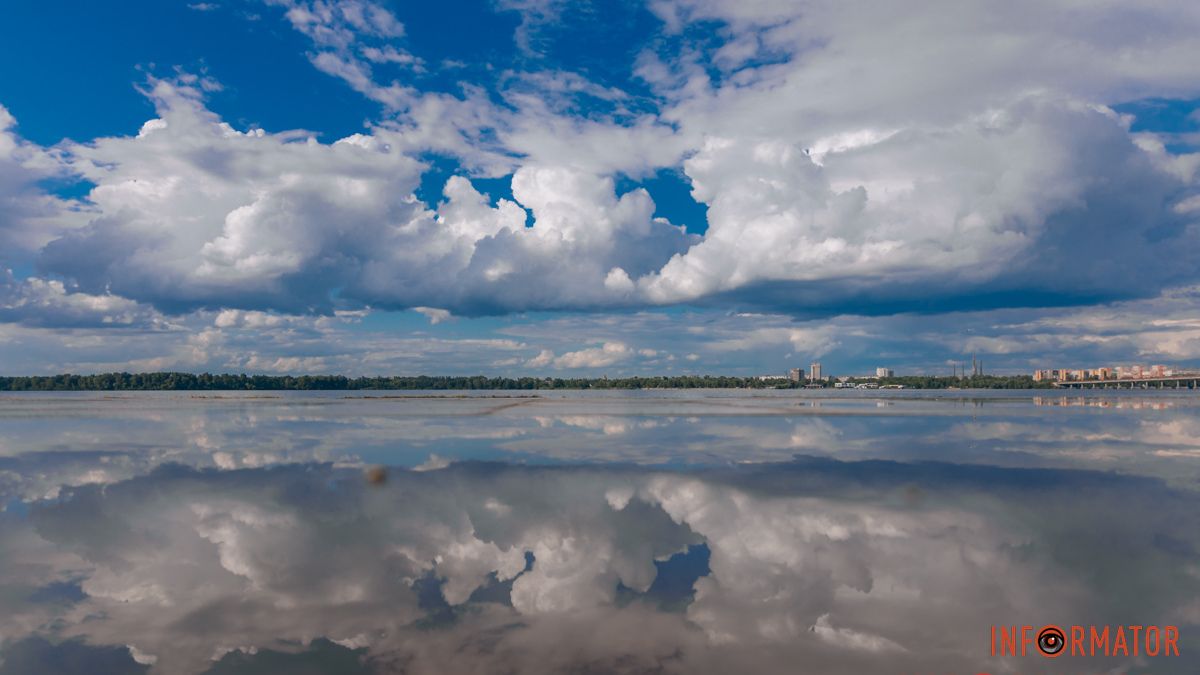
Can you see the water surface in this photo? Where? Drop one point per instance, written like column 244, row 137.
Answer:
column 547, row 532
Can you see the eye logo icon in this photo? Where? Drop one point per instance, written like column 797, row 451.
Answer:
column 1050, row 641
column 1109, row 641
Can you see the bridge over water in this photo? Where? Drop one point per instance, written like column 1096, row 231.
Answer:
column 1187, row 381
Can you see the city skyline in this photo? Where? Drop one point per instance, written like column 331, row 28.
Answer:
column 1121, row 372
column 517, row 188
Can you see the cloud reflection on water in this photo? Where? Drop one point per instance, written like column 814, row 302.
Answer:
column 48, row 442
column 665, row 535
column 875, row 566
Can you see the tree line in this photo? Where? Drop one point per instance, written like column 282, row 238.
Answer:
column 970, row 382
column 242, row 382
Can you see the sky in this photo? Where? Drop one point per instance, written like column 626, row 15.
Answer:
column 541, row 187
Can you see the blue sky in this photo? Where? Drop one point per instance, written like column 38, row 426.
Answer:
column 580, row 188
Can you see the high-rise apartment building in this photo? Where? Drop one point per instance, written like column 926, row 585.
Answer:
column 815, row 371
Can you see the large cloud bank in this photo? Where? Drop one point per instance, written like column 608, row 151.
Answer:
column 851, row 158
column 197, row 214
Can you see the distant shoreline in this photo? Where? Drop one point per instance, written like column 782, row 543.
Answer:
column 174, row 381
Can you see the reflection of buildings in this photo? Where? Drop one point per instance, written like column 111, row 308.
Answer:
column 1123, row 404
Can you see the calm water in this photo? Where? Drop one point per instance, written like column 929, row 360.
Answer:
column 542, row 532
